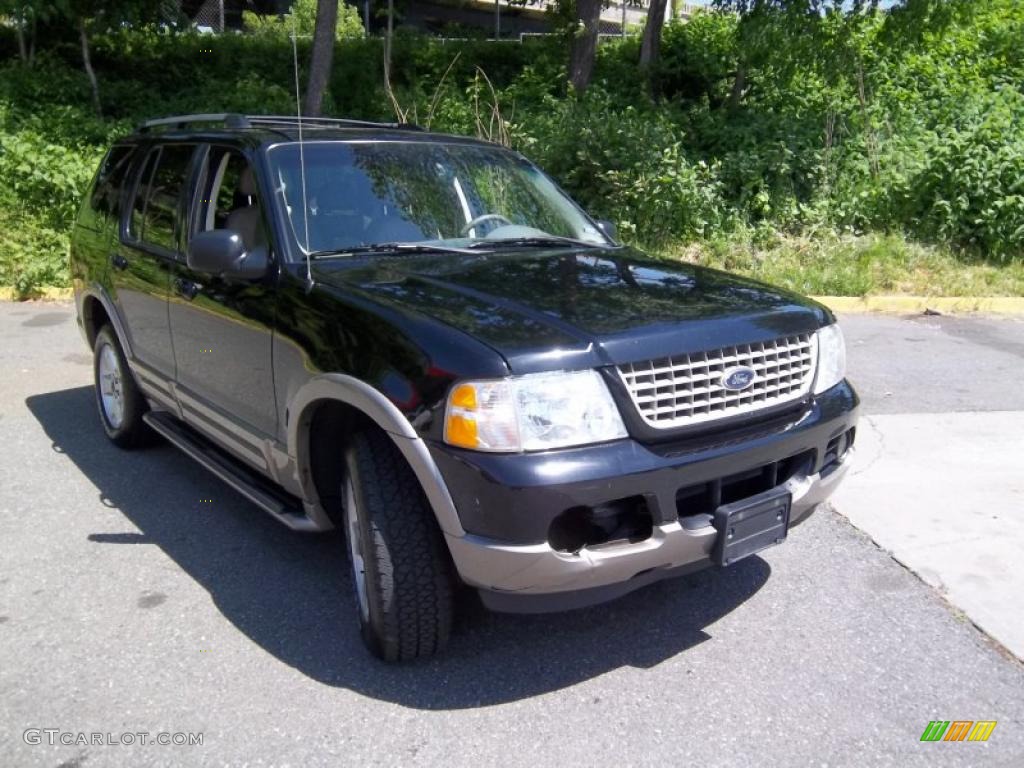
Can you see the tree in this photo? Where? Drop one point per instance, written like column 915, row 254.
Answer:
column 21, row 15
column 650, row 45
column 327, row 21
column 24, row 16
column 584, row 43
column 88, row 16
column 322, row 55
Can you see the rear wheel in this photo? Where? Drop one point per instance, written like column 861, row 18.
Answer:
column 401, row 571
column 121, row 404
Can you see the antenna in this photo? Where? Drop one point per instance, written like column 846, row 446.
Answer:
column 302, row 150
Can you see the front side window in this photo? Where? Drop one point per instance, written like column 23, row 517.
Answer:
column 156, row 209
column 230, row 197
column 363, row 193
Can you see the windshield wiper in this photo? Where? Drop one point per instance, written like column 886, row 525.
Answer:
column 538, row 241
column 389, row 248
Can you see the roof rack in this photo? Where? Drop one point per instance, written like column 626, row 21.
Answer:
column 326, row 122
column 236, row 121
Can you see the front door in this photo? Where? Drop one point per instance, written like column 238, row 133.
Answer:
column 223, row 328
column 143, row 258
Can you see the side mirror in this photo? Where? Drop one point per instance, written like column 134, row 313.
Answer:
column 608, row 228
column 221, row 252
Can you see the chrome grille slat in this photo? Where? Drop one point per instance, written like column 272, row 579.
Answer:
column 685, row 389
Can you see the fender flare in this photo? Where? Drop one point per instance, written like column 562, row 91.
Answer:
column 98, row 292
column 375, row 406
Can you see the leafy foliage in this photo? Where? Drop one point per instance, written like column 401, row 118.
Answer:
column 302, row 18
column 904, row 123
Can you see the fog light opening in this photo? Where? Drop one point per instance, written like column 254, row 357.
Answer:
column 837, row 449
column 623, row 521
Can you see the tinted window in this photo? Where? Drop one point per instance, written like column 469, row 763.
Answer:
column 389, row 191
column 106, row 194
column 139, row 203
column 157, row 202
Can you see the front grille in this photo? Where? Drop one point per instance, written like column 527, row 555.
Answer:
column 687, row 389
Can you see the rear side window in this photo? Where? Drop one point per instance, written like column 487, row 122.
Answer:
column 106, row 193
column 156, row 209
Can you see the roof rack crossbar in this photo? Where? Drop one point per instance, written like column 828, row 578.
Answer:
column 229, row 120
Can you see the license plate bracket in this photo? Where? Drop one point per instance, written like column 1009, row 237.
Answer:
column 749, row 525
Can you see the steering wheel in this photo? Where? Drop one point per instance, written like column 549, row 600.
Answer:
column 480, row 220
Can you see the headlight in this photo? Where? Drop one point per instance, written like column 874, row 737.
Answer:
column 831, row 358
column 532, row 413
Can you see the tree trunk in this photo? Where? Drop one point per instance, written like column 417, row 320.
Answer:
column 650, row 46
column 387, row 40
column 87, row 63
column 323, row 55
column 19, row 28
column 584, row 44
column 739, row 86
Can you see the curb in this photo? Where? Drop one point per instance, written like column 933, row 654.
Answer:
column 1003, row 305
column 45, row 293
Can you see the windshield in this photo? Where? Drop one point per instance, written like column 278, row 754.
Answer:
column 362, row 194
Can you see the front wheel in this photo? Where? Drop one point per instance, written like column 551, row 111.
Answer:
column 121, row 404
column 401, row 571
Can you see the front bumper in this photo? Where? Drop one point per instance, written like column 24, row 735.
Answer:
column 536, row 578
column 506, row 504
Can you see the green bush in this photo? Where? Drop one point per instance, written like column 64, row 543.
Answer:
column 34, row 253
column 302, row 18
column 43, row 179
column 878, row 123
column 627, row 165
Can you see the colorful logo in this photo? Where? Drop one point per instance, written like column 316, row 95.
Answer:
column 958, row 730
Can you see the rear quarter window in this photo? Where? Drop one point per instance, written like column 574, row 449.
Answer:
column 103, row 202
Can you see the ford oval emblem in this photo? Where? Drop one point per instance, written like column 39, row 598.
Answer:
column 737, row 379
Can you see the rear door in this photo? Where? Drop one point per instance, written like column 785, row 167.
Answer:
column 223, row 327
column 149, row 245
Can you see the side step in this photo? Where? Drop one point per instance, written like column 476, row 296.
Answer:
column 282, row 507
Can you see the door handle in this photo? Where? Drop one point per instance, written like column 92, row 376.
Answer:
column 118, row 261
column 186, row 288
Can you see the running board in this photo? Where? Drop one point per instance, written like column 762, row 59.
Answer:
column 257, row 490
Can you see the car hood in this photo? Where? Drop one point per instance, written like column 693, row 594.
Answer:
column 568, row 308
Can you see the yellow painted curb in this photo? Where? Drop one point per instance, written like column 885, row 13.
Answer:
column 47, row 293
column 1004, row 305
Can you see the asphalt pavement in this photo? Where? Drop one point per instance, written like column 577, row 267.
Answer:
column 139, row 595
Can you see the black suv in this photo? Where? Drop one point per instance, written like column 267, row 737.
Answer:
column 422, row 340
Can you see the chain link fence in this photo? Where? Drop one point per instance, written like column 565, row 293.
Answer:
column 495, row 19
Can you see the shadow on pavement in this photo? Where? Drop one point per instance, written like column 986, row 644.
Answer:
column 290, row 593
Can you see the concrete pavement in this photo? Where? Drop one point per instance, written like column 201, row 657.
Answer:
column 939, row 475
column 139, row 594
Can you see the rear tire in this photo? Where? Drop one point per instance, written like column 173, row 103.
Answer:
column 401, row 570
column 120, row 403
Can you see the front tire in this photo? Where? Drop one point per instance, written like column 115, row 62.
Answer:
column 121, row 404
column 401, row 571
